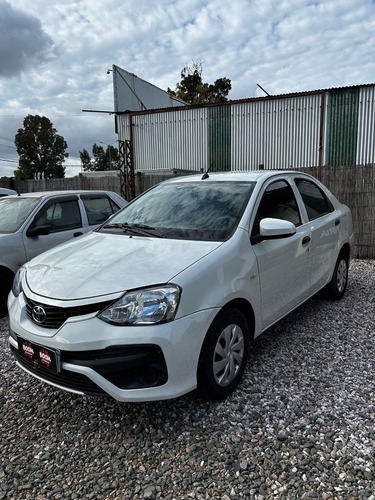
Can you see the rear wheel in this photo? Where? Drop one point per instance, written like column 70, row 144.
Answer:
column 335, row 289
column 223, row 355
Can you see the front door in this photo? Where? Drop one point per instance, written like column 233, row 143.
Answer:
column 284, row 264
column 62, row 218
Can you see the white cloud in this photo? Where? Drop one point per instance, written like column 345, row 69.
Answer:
column 56, row 65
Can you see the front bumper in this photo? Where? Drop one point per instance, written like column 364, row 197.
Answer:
column 141, row 363
column 129, row 367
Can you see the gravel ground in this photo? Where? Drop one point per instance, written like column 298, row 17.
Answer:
column 300, row 426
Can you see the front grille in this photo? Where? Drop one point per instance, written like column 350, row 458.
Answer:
column 55, row 317
column 69, row 380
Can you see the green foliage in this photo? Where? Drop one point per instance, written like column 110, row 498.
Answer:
column 41, row 150
column 192, row 90
column 102, row 159
column 85, row 160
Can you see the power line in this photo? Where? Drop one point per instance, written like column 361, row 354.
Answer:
column 10, row 161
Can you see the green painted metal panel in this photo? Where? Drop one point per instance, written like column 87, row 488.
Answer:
column 342, row 127
column 219, row 138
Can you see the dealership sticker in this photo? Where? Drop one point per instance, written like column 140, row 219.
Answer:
column 28, row 350
column 45, row 358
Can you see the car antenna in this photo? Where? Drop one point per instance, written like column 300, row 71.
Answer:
column 205, row 175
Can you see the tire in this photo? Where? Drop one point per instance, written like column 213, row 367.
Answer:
column 336, row 288
column 223, row 356
column 6, row 285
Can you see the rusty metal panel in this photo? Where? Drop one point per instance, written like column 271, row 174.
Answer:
column 171, row 140
column 366, row 126
column 278, row 133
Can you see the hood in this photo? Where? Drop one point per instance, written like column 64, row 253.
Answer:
column 102, row 264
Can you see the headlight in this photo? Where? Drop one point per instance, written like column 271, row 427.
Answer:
column 17, row 282
column 147, row 306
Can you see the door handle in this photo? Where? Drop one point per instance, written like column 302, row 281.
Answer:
column 337, row 222
column 306, row 240
column 77, row 234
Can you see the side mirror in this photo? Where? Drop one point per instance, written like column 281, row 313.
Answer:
column 276, row 228
column 38, row 231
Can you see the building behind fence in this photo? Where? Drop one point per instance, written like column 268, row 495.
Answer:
column 328, row 133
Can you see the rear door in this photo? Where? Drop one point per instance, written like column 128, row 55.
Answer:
column 324, row 224
column 284, row 264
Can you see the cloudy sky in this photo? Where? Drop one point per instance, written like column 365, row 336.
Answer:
column 54, row 56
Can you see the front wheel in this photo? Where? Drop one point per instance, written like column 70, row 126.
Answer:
column 223, row 355
column 336, row 287
column 5, row 287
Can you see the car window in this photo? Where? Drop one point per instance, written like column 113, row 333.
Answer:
column 278, row 202
column 14, row 212
column 60, row 216
column 99, row 208
column 199, row 210
column 316, row 202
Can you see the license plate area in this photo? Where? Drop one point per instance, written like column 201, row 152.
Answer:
column 42, row 357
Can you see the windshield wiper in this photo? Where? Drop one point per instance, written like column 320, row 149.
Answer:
column 142, row 229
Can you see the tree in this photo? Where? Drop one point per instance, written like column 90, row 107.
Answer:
column 103, row 159
column 85, row 160
column 192, row 90
column 41, row 150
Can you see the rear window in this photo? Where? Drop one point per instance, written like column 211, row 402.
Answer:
column 99, row 208
column 315, row 200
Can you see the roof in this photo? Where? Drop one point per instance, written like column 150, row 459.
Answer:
column 248, row 99
column 248, row 176
column 62, row 192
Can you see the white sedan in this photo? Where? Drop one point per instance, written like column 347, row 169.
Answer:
column 6, row 192
column 167, row 295
column 32, row 223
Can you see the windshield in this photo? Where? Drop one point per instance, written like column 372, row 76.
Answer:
column 207, row 210
column 14, row 212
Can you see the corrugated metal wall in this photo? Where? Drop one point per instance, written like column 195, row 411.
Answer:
column 277, row 133
column 280, row 133
column 169, row 140
column 366, row 126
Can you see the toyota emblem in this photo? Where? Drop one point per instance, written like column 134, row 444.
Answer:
column 38, row 314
